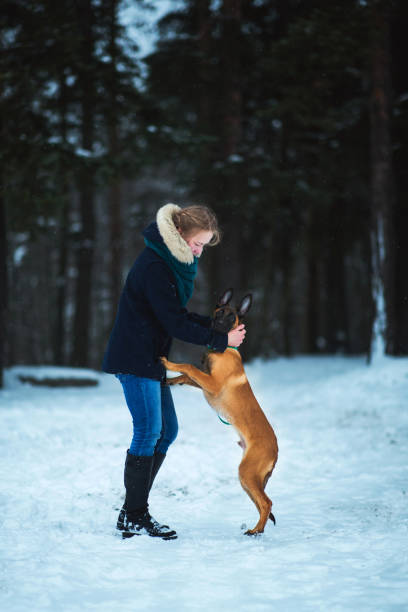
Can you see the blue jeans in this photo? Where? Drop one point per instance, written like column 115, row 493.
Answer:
column 154, row 418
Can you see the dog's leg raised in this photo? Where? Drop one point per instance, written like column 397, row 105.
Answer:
column 205, row 381
column 183, row 379
column 253, row 483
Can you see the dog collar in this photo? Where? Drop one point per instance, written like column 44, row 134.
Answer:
column 222, row 420
column 211, row 350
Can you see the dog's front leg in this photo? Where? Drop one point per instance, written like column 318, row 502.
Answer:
column 205, row 381
column 183, row 379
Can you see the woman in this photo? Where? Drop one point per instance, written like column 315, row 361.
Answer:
column 151, row 311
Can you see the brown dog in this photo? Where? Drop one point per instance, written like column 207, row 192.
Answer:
column 228, row 391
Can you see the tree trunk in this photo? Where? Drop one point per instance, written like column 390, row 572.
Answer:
column 286, row 303
column 59, row 333
column 205, row 190
column 232, row 77
column 230, row 141
column 114, row 190
column 82, row 321
column 312, row 310
column 401, row 281
column 382, row 192
column 286, row 254
column 336, row 308
column 3, row 284
column 204, row 49
column 312, row 285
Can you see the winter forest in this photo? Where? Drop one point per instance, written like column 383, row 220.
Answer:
column 288, row 118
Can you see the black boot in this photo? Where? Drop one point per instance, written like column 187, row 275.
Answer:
column 137, row 524
column 158, row 459
column 134, row 518
column 131, row 464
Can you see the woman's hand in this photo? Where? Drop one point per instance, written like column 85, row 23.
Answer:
column 237, row 335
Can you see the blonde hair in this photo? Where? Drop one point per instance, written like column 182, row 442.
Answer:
column 194, row 218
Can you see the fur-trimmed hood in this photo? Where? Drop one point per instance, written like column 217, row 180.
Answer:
column 176, row 244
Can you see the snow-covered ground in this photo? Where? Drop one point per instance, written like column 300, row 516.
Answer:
column 340, row 493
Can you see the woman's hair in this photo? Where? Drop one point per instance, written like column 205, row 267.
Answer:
column 195, row 218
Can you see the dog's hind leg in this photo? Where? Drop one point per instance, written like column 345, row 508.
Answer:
column 253, row 483
column 268, row 475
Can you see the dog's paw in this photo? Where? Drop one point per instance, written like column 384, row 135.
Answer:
column 255, row 532
column 170, row 382
column 164, row 362
column 169, row 365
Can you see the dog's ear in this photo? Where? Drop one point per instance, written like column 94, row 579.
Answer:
column 225, row 298
column 245, row 305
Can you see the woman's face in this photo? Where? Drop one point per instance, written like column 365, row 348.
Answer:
column 198, row 241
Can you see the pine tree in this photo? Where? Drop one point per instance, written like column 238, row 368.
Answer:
column 382, row 182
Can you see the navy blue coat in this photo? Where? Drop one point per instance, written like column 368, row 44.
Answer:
column 149, row 315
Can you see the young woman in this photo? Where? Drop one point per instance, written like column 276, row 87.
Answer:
column 151, row 312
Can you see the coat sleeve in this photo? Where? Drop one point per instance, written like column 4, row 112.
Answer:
column 200, row 319
column 161, row 292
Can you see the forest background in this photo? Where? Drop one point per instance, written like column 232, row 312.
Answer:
column 288, row 117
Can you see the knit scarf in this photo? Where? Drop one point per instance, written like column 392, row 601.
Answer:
column 184, row 273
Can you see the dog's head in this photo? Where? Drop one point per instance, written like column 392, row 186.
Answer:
column 225, row 316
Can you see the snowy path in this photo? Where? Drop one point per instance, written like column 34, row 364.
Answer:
column 340, row 492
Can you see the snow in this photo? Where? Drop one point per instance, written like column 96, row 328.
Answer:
column 141, row 24
column 339, row 491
